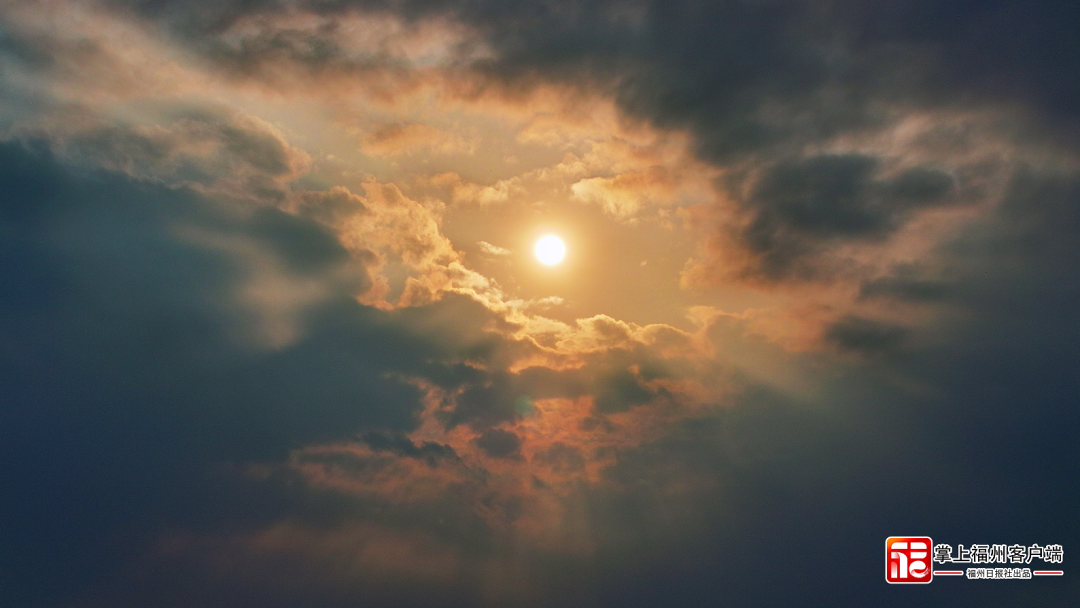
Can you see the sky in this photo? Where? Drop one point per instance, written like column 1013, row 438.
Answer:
column 273, row 333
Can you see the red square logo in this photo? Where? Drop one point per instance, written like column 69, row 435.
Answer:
column 907, row 559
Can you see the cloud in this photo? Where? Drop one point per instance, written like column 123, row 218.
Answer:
column 864, row 335
column 397, row 139
column 490, row 249
column 906, row 285
column 498, row 443
column 469, row 192
column 622, row 196
column 802, row 207
column 392, row 233
column 150, row 327
column 207, row 148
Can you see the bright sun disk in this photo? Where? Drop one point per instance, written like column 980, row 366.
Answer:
column 550, row 250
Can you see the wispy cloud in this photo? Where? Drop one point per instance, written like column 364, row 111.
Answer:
column 490, row 249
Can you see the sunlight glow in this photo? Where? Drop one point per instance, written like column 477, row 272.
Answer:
column 550, row 250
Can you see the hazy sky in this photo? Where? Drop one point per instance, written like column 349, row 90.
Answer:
column 272, row 331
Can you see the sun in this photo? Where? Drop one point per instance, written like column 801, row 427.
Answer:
column 550, row 250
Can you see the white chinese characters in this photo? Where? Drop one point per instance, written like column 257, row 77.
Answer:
column 998, row 554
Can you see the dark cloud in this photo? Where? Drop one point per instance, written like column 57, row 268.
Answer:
column 134, row 367
column 206, row 147
column 824, row 195
column 714, row 67
column 621, row 390
column 498, row 443
column 398, row 443
column 921, row 186
column 305, row 247
column 905, row 286
column 800, row 208
column 864, row 335
column 563, row 458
